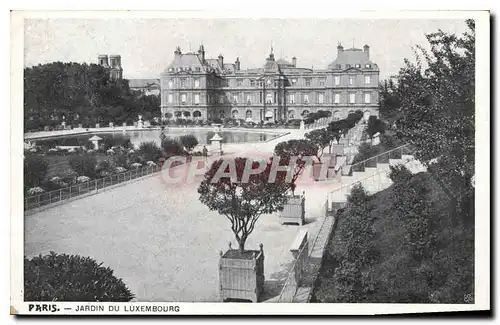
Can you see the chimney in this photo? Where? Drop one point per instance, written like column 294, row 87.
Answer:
column 221, row 60
column 294, row 61
column 237, row 64
column 201, row 53
column 366, row 48
column 340, row 48
column 177, row 52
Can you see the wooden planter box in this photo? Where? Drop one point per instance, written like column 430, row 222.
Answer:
column 294, row 210
column 317, row 174
column 241, row 276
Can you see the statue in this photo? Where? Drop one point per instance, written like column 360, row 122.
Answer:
column 140, row 122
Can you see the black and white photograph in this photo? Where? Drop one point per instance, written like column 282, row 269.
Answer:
column 249, row 162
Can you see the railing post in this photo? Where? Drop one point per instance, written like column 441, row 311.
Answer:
column 70, row 191
column 50, row 197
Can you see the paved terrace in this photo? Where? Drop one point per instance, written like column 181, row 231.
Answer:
column 162, row 241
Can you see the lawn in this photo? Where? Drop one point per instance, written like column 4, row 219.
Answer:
column 394, row 269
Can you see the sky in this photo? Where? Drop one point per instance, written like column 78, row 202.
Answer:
column 147, row 45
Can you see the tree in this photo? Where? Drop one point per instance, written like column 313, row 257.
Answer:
column 149, row 151
column 335, row 129
column 84, row 165
column 300, row 151
column 321, row 138
column 35, row 169
column 374, row 126
column 189, row 141
column 437, row 108
column 61, row 277
column 242, row 201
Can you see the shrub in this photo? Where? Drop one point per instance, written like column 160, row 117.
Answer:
column 35, row 190
column 149, row 151
column 61, row 277
column 84, row 164
column 172, row 147
column 35, row 169
column 189, row 141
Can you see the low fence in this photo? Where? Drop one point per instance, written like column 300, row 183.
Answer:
column 292, row 281
column 396, row 153
column 69, row 192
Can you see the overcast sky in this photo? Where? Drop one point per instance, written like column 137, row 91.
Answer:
column 147, row 45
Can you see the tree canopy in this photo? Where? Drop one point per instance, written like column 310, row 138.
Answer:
column 242, row 199
column 81, row 94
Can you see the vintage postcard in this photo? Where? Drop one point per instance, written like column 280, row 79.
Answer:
column 187, row 163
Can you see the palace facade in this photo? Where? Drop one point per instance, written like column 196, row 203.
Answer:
column 196, row 87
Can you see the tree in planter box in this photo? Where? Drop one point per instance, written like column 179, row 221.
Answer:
column 300, row 149
column 189, row 141
column 242, row 198
column 321, row 138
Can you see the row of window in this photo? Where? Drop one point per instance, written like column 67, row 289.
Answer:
column 270, row 98
column 236, row 114
column 198, row 69
column 184, row 82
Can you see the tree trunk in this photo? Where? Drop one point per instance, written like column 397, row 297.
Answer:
column 242, row 245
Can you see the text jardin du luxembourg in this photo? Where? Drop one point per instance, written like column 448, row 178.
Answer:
column 129, row 308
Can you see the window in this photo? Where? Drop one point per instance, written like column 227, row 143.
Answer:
column 196, row 83
column 351, row 80
column 291, row 98
column 339, row 66
column 306, row 98
column 239, row 82
column 248, row 114
column 170, row 84
column 249, row 101
column 291, row 114
column 358, row 65
column 196, row 99
column 197, row 114
column 308, row 81
column 336, row 98
column 183, row 83
column 337, row 80
column 221, row 100
column 235, row 114
column 321, row 82
column 368, row 66
column 367, row 98
column 269, row 98
column 352, row 98
column 260, row 98
column 347, row 66
column 222, row 114
column 183, row 98
column 170, row 98
column 294, row 81
column 235, row 98
column 368, row 80
column 252, row 82
column 321, row 98
column 178, row 114
column 197, row 69
column 276, row 83
column 170, row 69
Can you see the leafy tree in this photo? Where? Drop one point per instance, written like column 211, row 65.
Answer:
column 298, row 150
column 35, row 169
column 84, row 165
column 149, row 151
column 242, row 201
column 374, row 126
column 61, row 277
column 335, row 129
column 437, row 108
column 321, row 138
column 189, row 141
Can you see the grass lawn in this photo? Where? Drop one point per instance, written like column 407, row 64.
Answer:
column 59, row 165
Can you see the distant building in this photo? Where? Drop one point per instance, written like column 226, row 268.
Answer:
column 202, row 88
column 146, row 86
column 114, row 65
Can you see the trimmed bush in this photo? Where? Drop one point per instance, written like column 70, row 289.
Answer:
column 35, row 169
column 84, row 164
column 189, row 141
column 62, row 277
column 172, row 147
column 149, row 151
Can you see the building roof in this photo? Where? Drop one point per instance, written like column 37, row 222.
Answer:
column 185, row 60
column 352, row 57
column 283, row 63
column 143, row 83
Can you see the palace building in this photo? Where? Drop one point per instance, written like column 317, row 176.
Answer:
column 193, row 86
